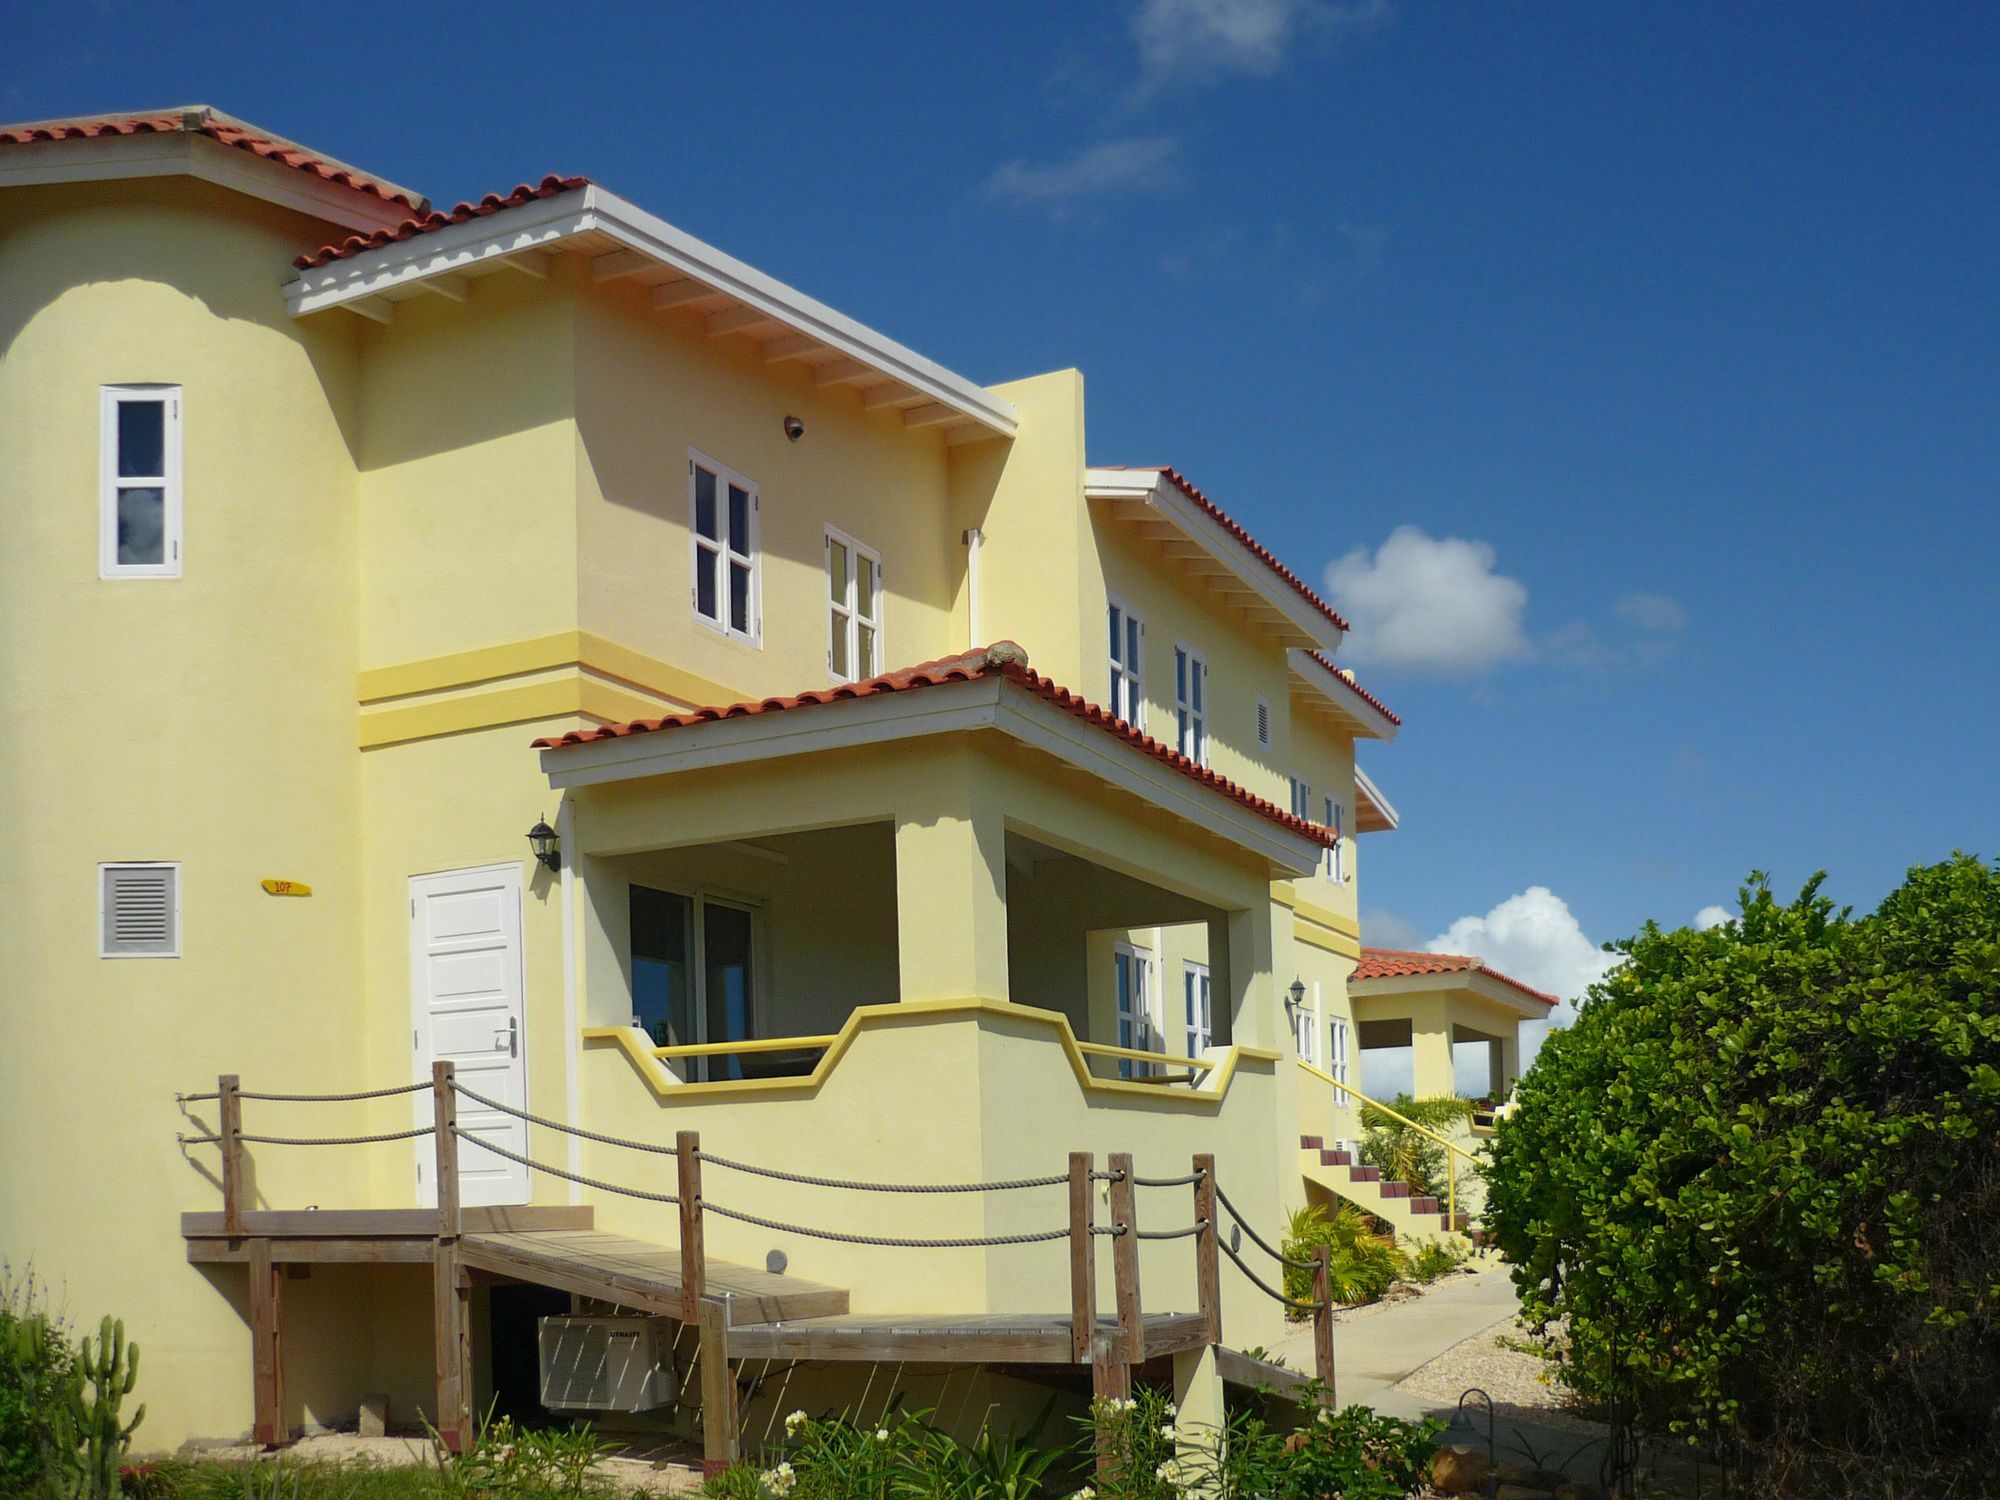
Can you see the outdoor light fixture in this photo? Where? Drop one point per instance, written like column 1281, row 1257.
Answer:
column 794, row 428
column 1295, row 997
column 547, row 846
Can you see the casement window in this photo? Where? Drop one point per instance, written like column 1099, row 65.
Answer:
column 1191, row 705
column 1128, row 670
column 854, row 608
column 1305, row 1029
column 1336, row 856
column 1198, row 1007
column 139, row 486
column 694, row 975
column 1336, row 1059
column 1133, row 984
column 1302, row 798
column 139, row 910
column 727, row 583
column 1263, row 721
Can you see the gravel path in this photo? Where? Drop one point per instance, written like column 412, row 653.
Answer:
column 1518, row 1382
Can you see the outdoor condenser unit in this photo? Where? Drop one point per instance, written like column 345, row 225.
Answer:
column 606, row 1364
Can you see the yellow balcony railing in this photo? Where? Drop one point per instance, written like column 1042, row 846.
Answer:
column 1453, row 1151
column 1195, row 1066
column 748, row 1044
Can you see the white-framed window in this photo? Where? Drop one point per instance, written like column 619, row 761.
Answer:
column 1197, row 1006
column 139, row 909
column 1263, row 721
column 1305, row 1029
column 1336, row 1057
column 727, row 572
column 1302, row 798
column 139, row 486
column 1133, row 985
column 1191, row 704
column 1336, row 854
column 1128, row 665
column 854, row 608
column 696, row 975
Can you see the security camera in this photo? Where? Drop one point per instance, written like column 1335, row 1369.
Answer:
column 794, row 428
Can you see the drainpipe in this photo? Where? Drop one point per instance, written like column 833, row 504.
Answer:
column 572, row 1022
column 973, row 537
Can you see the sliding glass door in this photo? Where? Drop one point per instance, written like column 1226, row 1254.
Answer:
column 693, row 976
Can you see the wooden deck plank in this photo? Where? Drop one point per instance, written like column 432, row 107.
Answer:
column 985, row 1338
column 644, row 1276
column 410, row 1250
column 356, row 1223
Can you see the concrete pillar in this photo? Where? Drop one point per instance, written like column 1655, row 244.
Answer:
column 1509, row 1048
column 1248, row 987
column 1198, row 1400
column 1432, row 1072
column 951, row 902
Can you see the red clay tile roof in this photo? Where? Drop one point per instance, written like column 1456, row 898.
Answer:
column 1357, row 689
column 1401, row 963
column 409, row 229
column 203, row 121
column 1229, row 524
column 1003, row 659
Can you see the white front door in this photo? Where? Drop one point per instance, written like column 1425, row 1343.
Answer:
column 466, row 992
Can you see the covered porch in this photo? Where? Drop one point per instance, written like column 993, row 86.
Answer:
column 1440, row 1025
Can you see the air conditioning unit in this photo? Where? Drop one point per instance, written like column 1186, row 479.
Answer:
column 606, row 1364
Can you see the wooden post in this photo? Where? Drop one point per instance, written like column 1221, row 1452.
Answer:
column 718, row 1389
column 451, row 1292
column 267, row 1368
column 694, row 1256
column 1207, row 1267
column 1082, row 1258
column 444, row 1115
column 229, row 1106
column 1323, row 1320
column 1110, row 1380
column 1125, row 1259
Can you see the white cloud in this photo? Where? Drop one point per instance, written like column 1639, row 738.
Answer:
column 1429, row 604
column 1651, row 614
column 1713, row 916
column 1139, row 164
column 1532, row 937
column 1200, row 38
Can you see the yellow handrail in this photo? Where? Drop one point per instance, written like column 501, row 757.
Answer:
column 1139, row 1054
column 1455, row 1150
column 748, row 1044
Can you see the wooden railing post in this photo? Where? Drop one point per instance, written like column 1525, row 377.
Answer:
column 267, row 1361
column 1125, row 1259
column 451, row 1288
column 444, row 1115
column 719, row 1447
column 1082, row 1257
column 1323, row 1320
column 229, row 1109
column 694, row 1255
column 1207, row 1266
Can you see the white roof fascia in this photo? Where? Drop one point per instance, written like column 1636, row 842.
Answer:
column 1481, row 983
column 541, row 223
column 1164, row 498
column 1373, row 793
column 944, row 708
column 1369, row 720
column 178, row 153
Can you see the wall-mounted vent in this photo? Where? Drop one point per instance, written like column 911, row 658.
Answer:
column 1263, row 721
column 141, row 910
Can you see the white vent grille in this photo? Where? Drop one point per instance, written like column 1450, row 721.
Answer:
column 141, row 909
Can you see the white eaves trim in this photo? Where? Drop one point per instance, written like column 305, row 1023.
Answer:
column 1480, row 982
column 946, row 708
column 174, row 153
column 1164, row 499
column 543, row 223
column 1369, row 721
column 1368, row 791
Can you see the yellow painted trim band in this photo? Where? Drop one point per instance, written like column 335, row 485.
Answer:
column 1326, row 942
column 1323, row 916
column 567, row 648
column 565, row 697
column 639, row 1052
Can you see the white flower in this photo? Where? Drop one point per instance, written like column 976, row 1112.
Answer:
column 1086, row 1493
column 1168, row 1432
column 794, row 1422
column 881, row 1434
column 780, row 1480
column 1323, row 1415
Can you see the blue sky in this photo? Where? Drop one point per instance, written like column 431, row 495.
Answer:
column 1672, row 331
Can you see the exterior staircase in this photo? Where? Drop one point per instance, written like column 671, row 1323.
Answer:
column 1410, row 1214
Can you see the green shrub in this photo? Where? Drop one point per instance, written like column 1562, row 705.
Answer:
column 1760, row 1179
column 1407, row 1155
column 1434, row 1258
column 35, row 1362
column 1362, row 1263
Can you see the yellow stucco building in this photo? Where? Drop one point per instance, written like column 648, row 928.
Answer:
column 918, row 803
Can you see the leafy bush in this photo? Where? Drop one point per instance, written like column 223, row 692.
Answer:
column 1362, row 1263
column 1760, row 1179
column 1435, row 1258
column 1407, row 1155
column 35, row 1362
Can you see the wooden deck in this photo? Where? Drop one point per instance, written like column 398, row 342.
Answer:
column 985, row 1338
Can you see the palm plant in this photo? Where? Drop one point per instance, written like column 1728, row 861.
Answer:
column 1362, row 1263
column 1406, row 1154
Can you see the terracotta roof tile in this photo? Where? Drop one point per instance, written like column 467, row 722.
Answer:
column 204, row 122
column 1357, row 689
column 1402, row 963
column 1229, row 524
column 1003, row 659
column 409, row 229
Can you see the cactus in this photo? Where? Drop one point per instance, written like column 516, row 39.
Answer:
column 107, row 1374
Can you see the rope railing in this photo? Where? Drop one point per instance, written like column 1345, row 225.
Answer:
column 1264, row 1286
column 335, row 1140
column 557, row 1125
column 669, row 1199
column 886, row 1242
column 1004, row 1185
column 1189, row 1180
column 1173, row 1234
column 1257, row 1239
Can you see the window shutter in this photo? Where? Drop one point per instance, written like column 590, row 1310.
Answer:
column 141, row 910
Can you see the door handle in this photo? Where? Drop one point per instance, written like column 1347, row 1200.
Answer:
column 510, row 1039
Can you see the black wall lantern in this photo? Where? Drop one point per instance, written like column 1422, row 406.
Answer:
column 547, row 846
column 1295, row 998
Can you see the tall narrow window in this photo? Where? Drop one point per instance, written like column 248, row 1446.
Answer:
column 854, row 608
column 726, row 592
column 139, row 499
column 1198, row 1001
column 1133, row 979
column 693, row 975
column 1302, row 799
column 1336, row 857
column 1336, row 1036
column 139, row 910
column 1191, row 705
column 1305, row 1029
column 1128, row 647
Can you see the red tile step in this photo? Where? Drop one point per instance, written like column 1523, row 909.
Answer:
column 1394, row 1189
column 1364, row 1174
column 1335, row 1159
column 1312, row 1142
column 1419, row 1204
